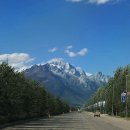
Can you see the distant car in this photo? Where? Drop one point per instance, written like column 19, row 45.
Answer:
column 97, row 113
column 79, row 110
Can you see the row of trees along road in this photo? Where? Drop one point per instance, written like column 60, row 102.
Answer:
column 21, row 98
column 111, row 95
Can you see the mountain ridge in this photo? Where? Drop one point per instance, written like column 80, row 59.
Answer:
column 66, row 81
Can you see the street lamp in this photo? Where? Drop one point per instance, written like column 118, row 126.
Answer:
column 112, row 100
column 107, row 91
column 126, row 107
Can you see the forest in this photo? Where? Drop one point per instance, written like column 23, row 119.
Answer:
column 21, row 98
column 107, row 99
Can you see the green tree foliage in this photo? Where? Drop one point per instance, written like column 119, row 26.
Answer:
column 111, row 93
column 21, row 98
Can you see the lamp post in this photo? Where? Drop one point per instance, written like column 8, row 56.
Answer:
column 106, row 101
column 126, row 107
column 112, row 100
column 106, row 98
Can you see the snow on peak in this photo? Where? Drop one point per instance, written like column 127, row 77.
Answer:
column 56, row 60
column 59, row 62
column 79, row 69
column 60, row 67
column 88, row 74
column 100, row 76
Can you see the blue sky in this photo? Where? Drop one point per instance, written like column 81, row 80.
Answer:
column 96, row 32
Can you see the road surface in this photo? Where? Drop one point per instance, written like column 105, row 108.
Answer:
column 74, row 121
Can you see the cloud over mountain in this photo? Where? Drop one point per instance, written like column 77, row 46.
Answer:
column 82, row 52
column 69, row 47
column 52, row 50
column 19, row 61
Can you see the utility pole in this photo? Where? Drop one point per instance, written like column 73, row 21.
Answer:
column 106, row 102
column 112, row 100
column 106, row 98
column 126, row 107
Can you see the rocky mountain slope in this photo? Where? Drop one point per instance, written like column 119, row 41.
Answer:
column 66, row 81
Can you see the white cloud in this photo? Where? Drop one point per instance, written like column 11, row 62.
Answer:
column 75, row 1
column 69, row 47
column 70, row 53
column 53, row 50
column 97, row 2
column 19, row 61
column 83, row 52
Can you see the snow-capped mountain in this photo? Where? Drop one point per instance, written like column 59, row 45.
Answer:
column 66, row 81
column 67, row 71
column 99, row 77
column 59, row 67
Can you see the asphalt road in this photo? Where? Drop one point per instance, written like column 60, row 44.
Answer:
column 71, row 121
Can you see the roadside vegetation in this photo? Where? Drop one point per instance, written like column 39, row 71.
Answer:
column 107, row 99
column 21, row 98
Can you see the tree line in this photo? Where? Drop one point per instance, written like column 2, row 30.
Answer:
column 107, row 99
column 21, row 98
